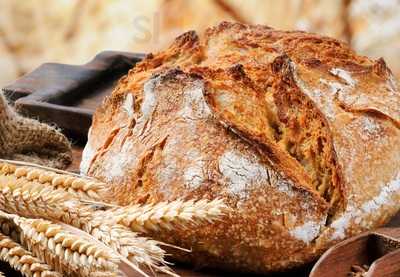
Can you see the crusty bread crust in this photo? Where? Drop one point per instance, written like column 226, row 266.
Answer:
column 298, row 134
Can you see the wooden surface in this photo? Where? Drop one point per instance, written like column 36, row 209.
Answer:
column 76, row 158
column 67, row 95
column 379, row 249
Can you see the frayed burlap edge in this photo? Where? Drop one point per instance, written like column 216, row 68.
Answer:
column 29, row 140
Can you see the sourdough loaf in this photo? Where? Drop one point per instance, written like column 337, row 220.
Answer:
column 295, row 131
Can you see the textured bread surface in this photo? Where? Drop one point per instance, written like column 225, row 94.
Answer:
column 295, row 131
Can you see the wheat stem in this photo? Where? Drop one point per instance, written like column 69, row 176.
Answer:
column 125, row 266
column 23, row 260
column 33, row 199
column 71, row 250
column 138, row 250
column 166, row 215
column 37, row 193
column 81, row 188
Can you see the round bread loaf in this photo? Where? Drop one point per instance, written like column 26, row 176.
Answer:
column 298, row 134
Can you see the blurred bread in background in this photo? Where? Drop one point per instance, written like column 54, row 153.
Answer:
column 8, row 67
column 319, row 16
column 73, row 31
column 375, row 29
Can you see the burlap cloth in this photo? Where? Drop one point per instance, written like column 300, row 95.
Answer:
column 29, row 140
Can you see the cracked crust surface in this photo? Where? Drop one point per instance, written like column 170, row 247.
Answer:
column 297, row 133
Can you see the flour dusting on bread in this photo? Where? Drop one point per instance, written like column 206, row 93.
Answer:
column 194, row 106
column 307, row 231
column 87, row 155
column 149, row 98
column 129, row 105
column 386, row 198
column 371, row 128
column 343, row 74
column 194, row 175
column 241, row 172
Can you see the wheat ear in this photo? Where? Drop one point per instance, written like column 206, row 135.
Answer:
column 81, row 188
column 166, row 215
column 71, row 250
column 8, row 227
column 23, row 260
column 59, row 265
column 33, row 199
column 138, row 250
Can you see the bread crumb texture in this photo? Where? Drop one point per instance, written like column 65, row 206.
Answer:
column 295, row 131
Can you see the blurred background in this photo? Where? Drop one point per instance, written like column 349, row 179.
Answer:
column 73, row 31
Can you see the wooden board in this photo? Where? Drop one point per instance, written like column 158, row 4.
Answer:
column 67, row 95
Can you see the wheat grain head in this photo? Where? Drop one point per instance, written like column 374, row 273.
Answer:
column 33, row 199
column 71, row 250
column 166, row 215
column 138, row 250
column 23, row 260
column 81, row 188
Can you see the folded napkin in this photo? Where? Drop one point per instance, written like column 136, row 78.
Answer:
column 29, row 140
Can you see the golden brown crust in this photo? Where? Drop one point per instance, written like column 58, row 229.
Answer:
column 213, row 162
column 184, row 50
column 239, row 105
column 297, row 133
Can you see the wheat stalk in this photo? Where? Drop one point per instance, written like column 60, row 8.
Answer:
column 66, row 270
column 70, row 249
column 59, row 266
column 103, row 274
column 69, row 253
column 81, row 188
column 138, row 250
column 23, row 260
column 165, row 215
column 126, row 266
column 32, row 199
column 38, row 193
